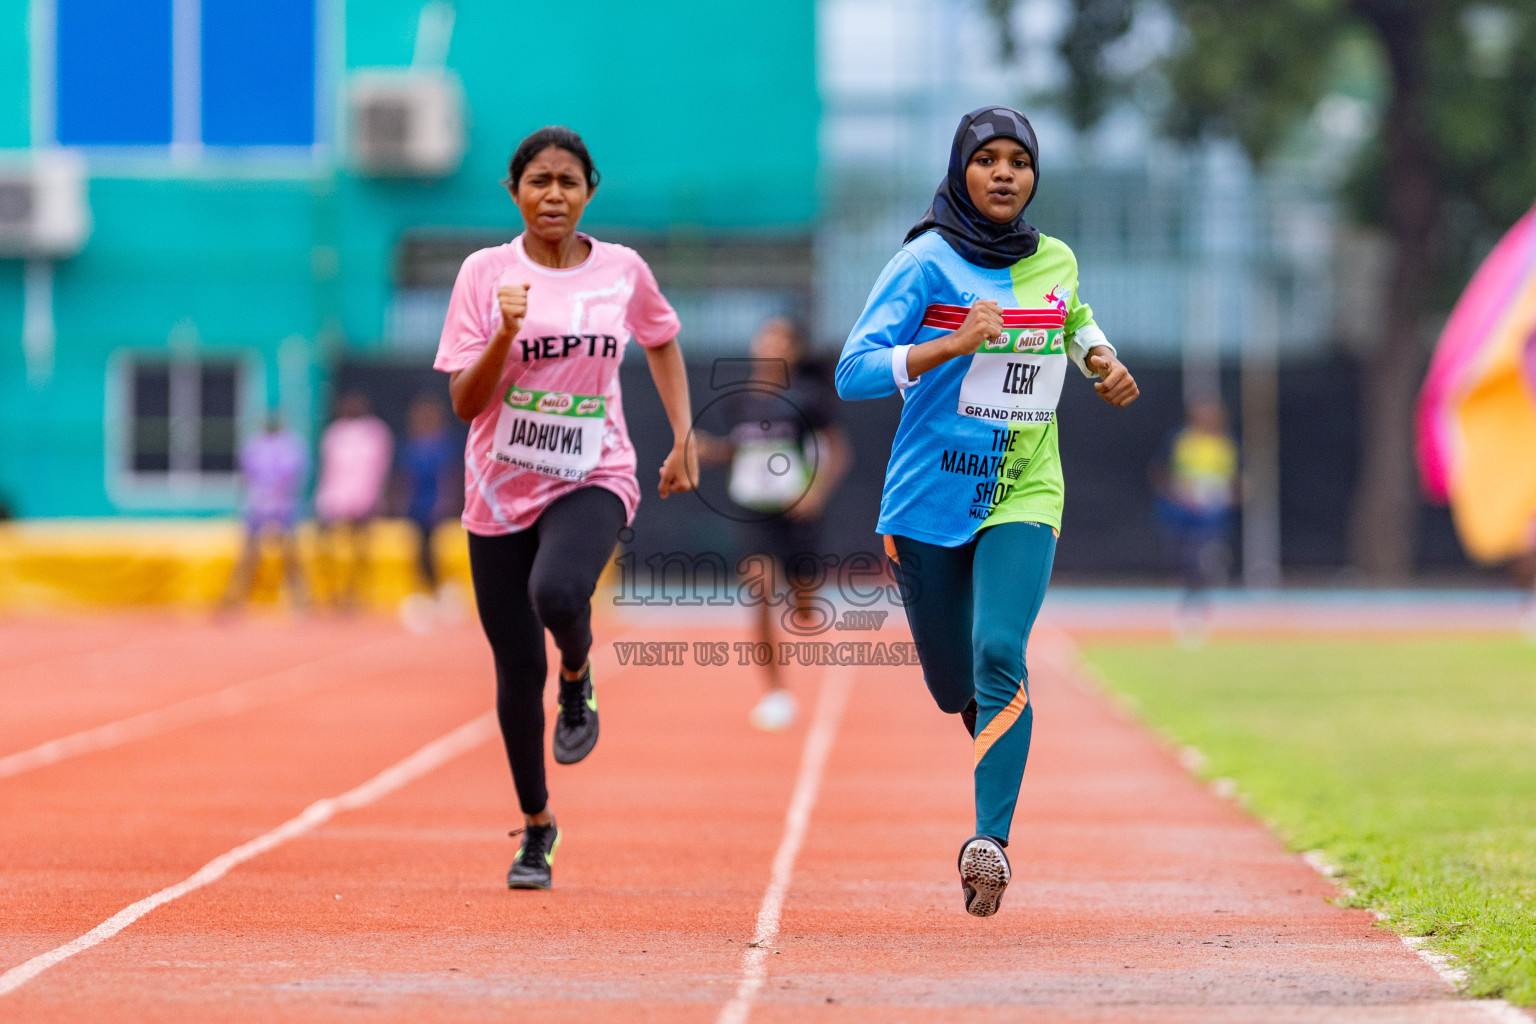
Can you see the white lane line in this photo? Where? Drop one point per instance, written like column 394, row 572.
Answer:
column 1065, row 656
column 231, row 700
column 1444, row 964
column 813, row 762
column 435, row 754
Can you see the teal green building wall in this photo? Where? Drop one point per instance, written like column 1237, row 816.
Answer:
column 15, row 95
column 701, row 117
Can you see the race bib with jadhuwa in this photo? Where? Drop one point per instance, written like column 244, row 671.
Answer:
column 550, row 432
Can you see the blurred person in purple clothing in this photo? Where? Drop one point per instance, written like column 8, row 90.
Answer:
column 274, row 466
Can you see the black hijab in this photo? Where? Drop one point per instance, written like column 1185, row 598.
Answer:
column 967, row 230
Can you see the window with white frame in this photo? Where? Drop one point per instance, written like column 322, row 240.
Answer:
column 182, row 420
column 219, row 73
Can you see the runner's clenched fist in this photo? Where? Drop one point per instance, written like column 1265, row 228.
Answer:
column 513, row 300
column 982, row 323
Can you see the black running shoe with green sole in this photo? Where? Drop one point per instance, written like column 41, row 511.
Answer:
column 576, row 719
column 984, row 874
column 535, row 860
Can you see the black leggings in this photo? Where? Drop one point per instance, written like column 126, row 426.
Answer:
column 526, row 582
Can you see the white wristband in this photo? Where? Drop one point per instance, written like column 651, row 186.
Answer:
column 899, row 367
column 1084, row 341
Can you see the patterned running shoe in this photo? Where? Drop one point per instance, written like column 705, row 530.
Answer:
column 984, row 874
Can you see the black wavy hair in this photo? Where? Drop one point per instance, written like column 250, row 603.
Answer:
column 559, row 136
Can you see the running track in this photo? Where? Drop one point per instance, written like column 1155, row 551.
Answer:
column 1138, row 895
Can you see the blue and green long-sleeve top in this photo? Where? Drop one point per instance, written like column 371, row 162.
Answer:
column 977, row 441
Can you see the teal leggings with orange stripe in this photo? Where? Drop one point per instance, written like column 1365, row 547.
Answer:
column 971, row 609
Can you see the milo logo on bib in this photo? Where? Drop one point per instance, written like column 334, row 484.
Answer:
column 1024, row 339
column 556, row 402
column 551, row 432
column 1033, row 340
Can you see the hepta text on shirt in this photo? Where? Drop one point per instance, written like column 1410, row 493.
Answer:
column 559, row 346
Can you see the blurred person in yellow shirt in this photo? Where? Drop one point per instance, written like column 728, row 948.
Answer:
column 1195, row 482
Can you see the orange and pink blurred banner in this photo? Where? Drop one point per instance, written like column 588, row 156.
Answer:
column 1476, row 418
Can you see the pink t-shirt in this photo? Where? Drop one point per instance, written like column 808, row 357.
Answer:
column 558, row 421
column 355, row 455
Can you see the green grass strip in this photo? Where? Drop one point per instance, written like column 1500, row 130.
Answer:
column 1410, row 763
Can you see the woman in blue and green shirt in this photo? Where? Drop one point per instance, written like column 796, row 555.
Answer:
column 974, row 321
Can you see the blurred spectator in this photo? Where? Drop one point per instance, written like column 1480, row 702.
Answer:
column 787, row 454
column 429, row 472
column 355, row 455
column 273, row 468
column 1195, row 482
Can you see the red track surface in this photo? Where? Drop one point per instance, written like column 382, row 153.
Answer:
column 1137, row 895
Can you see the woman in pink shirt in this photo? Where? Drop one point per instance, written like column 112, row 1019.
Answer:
column 534, row 335
column 355, row 455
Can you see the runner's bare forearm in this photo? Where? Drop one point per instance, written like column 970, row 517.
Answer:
column 473, row 388
column 924, row 357
column 671, row 377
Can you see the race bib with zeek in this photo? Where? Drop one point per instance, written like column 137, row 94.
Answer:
column 550, row 432
column 1017, row 377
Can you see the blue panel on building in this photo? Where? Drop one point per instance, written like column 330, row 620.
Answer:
column 114, row 72
column 258, row 73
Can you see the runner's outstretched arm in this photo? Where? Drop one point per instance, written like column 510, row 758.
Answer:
column 680, row 470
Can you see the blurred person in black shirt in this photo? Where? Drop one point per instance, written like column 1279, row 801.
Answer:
column 787, row 454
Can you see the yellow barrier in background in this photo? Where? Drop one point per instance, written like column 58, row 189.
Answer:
column 98, row 563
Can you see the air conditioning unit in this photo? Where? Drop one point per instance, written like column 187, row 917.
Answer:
column 406, row 122
column 43, row 211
